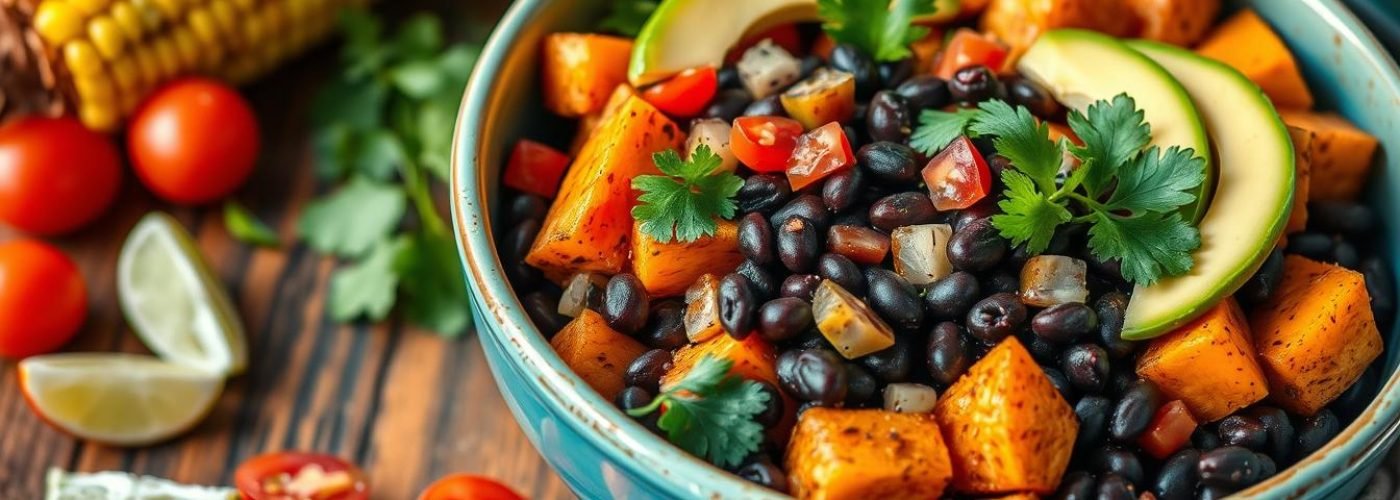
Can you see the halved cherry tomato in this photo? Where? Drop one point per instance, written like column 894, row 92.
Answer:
column 684, row 95
column 1171, row 428
column 819, row 153
column 967, row 48
column 535, row 168
column 43, row 300
column 764, row 143
column 468, row 487
column 957, row 177
column 785, row 36
column 293, row 475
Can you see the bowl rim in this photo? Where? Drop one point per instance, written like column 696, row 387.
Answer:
column 664, row 466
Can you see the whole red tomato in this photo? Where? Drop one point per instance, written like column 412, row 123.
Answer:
column 55, row 174
column 292, row 475
column 468, row 487
column 43, row 300
column 194, row 141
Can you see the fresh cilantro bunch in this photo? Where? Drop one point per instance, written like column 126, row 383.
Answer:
column 1130, row 195
column 883, row 28
column 384, row 134
column 683, row 204
column 626, row 17
column 710, row 413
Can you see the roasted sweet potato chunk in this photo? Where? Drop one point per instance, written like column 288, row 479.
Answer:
column 1247, row 43
column 1008, row 430
column 597, row 353
column 1340, row 154
column 838, row 454
column 1178, row 22
column 1208, row 364
column 753, row 358
column 1019, row 22
column 1316, row 335
column 580, row 70
column 1302, row 162
column 667, row 269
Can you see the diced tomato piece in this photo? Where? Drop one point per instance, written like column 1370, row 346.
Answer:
column 764, row 143
column 535, row 168
column 858, row 243
column 1171, row 428
column 686, row 94
column 957, row 177
column 968, row 48
column 819, row 153
column 785, row 36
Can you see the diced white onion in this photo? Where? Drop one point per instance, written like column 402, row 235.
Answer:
column 581, row 291
column 702, row 309
column 921, row 252
column 712, row 132
column 910, row 398
column 848, row 323
column 767, row 69
column 1047, row 280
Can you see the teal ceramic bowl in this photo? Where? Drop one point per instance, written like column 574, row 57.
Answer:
column 601, row 453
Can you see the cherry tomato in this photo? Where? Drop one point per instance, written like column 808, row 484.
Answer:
column 957, row 177
column 764, row 143
column 55, row 175
column 1171, row 428
column 819, row 153
column 43, row 300
column 468, row 487
column 535, row 168
column 785, row 36
column 290, row 475
column 684, row 95
column 967, row 48
column 194, row 141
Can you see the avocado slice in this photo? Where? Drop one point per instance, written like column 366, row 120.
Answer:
column 1079, row 67
column 1253, row 195
column 683, row 34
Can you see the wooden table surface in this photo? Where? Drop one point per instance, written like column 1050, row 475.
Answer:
column 405, row 404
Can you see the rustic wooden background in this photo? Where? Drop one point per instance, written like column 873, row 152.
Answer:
column 405, row 404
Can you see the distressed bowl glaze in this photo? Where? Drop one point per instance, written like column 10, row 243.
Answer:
column 601, row 453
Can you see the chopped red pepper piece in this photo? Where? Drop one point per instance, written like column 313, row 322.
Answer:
column 535, row 168
column 968, row 48
column 819, row 153
column 686, row 94
column 958, row 176
column 1170, row 430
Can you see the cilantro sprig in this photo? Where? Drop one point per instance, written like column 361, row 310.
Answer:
column 683, row 204
column 710, row 413
column 883, row 28
column 1130, row 195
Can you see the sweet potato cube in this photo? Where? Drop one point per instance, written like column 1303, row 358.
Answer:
column 1208, row 364
column 1247, row 43
column 579, row 71
column 1302, row 162
column 597, row 353
column 753, row 358
column 1019, row 23
column 589, row 226
column 1316, row 335
column 839, row 454
column 588, row 123
column 1008, row 430
column 1178, row 22
column 668, row 268
column 1341, row 154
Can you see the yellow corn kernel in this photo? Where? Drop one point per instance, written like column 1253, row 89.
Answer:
column 106, row 36
column 125, row 74
column 186, row 46
column 82, row 58
column 202, row 23
column 170, row 9
column 226, row 19
column 241, row 70
column 99, row 116
column 151, row 14
column 90, row 7
column 129, row 20
column 254, row 31
column 58, row 22
column 245, row 5
column 167, row 58
column 146, row 66
column 95, row 89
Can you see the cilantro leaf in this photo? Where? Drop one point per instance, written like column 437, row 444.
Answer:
column 1113, row 133
column 1149, row 245
column 883, row 28
column 1158, row 183
column 683, row 204
column 628, row 16
column 367, row 289
column 1022, row 139
column 434, row 291
column 354, row 219
column 938, row 128
column 1028, row 217
column 710, row 413
column 243, row 225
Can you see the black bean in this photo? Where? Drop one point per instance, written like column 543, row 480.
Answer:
column 647, row 369
column 996, row 317
column 728, row 78
column 1315, row 246
column 981, row 210
column 1121, row 379
column 518, row 240
column 528, row 207
column 1023, row 92
column 1279, row 428
column 843, row 271
column 1261, row 286
column 892, row 364
column 973, row 84
column 896, row 72
column 1001, row 282
column 763, row 283
column 1044, row 351
column 1064, row 323
column 765, row 474
column 978, row 247
column 1343, row 217
column 1205, row 438
column 1116, row 487
column 862, row 389
column 894, row 299
column 543, row 310
column 1314, row 432
column 842, row 189
column 784, row 318
column 809, row 206
column 801, row 286
column 887, row 118
column 1134, row 412
column 773, row 410
column 756, row 238
column 851, row 218
column 1267, row 466
column 728, row 104
column 854, row 136
column 665, row 328
column 632, row 398
column 924, row 91
column 1229, row 467
column 1244, row 431
column 1213, row 493
column 1087, row 367
column 891, row 163
column 1093, row 412
column 763, row 193
column 737, row 305
column 1344, row 253
column 1354, row 400
column 813, row 375
column 853, row 60
column 1109, row 270
column 902, row 209
column 1112, row 459
column 1110, row 309
column 996, row 164
column 625, row 303
column 1057, row 379
column 1380, row 284
column 1077, row 485
column 1176, row 480
column 813, row 339
column 949, row 354
column 798, row 244
column 952, row 296
column 767, row 106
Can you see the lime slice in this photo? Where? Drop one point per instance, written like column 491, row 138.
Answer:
column 61, row 485
column 116, row 398
column 174, row 302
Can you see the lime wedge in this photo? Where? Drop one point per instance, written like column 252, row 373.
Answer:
column 61, row 485
column 174, row 303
